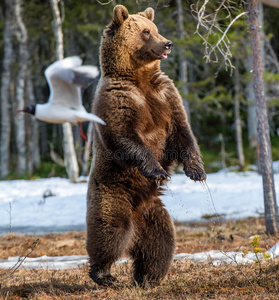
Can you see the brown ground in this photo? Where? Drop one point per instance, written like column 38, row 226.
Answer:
column 186, row 280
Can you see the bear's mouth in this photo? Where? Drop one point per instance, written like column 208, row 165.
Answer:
column 163, row 55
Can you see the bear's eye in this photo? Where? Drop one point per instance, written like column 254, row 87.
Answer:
column 146, row 32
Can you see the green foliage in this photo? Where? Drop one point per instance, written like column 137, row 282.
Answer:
column 211, row 91
column 275, row 147
column 255, row 242
column 210, row 217
column 50, row 169
column 257, row 250
column 270, row 77
column 45, row 170
column 266, row 255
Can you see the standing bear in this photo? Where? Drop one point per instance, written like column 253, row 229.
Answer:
column 146, row 132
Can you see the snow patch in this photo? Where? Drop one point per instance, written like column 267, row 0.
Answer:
column 24, row 207
column 215, row 257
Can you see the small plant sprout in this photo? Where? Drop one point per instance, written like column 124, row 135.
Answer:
column 257, row 250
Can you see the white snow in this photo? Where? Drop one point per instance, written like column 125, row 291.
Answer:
column 30, row 212
column 45, row 262
column 23, row 206
column 215, row 257
column 24, row 209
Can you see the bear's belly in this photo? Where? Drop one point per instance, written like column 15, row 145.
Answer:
column 155, row 139
column 128, row 182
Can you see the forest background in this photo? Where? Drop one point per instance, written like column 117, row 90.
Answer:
column 220, row 102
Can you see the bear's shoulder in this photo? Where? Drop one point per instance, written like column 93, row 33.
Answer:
column 117, row 98
column 111, row 91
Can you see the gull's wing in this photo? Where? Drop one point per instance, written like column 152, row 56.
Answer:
column 65, row 77
column 84, row 75
column 70, row 69
column 66, row 63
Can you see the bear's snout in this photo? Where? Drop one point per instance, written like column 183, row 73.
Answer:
column 168, row 45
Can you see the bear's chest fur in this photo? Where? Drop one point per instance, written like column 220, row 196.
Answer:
column 131, row 108
column 155, row 125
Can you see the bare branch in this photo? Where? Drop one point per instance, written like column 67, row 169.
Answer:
column 7, row 294
column 20, row 261
column 55, row 157
column 233, row 259
column 273, row 56
column 106, row 3
column 224, row 36
column 274, row 3
column 211, row 24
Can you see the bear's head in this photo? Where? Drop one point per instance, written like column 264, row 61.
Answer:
column 132, row 42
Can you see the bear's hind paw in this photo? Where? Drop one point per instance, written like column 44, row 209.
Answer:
column 105, row 280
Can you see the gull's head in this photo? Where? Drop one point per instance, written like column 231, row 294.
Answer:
column 29, row 109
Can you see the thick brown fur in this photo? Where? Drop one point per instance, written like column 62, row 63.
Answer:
column 146, row 132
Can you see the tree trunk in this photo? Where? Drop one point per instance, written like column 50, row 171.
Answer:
column 87, row 150
column 238, row 127
column 250, row 96
column 57, row 28
column 68, row 142
column 262, row 45
column 261, row 24
column 20, row 86
column 251, row 109
column 5, row 88
column 223, row 151
column 78, row 142
column 34, row 146
column 182, row 59
column 44, row 147
column 271, row 212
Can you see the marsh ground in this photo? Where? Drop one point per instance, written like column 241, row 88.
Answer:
column 185, row 280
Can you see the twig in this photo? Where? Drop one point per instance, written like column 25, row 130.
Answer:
column 7, row 294
column 104, row 3
column 20, row 261
column 258, row 260
column 226, row 31
column 210, row 23
column 272, row 53
column 233, row 258
column 55, row 157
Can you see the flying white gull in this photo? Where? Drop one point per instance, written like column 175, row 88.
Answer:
column 65, row 78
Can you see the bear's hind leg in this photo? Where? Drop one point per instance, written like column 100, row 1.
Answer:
column 154, row 243
column 109, row 230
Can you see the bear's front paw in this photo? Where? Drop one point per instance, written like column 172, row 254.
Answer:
column 195, row 171
column 158, row 175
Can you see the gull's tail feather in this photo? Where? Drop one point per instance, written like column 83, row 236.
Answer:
column 95, row 118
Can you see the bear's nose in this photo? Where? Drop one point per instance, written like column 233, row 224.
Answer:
column 168, row 45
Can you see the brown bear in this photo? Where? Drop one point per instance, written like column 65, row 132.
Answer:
column 146, row 132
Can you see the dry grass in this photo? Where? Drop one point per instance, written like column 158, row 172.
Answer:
column 186, row 280
column 71, row 243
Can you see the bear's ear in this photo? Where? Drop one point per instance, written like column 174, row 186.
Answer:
column 120, row 14
column 148, row 13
